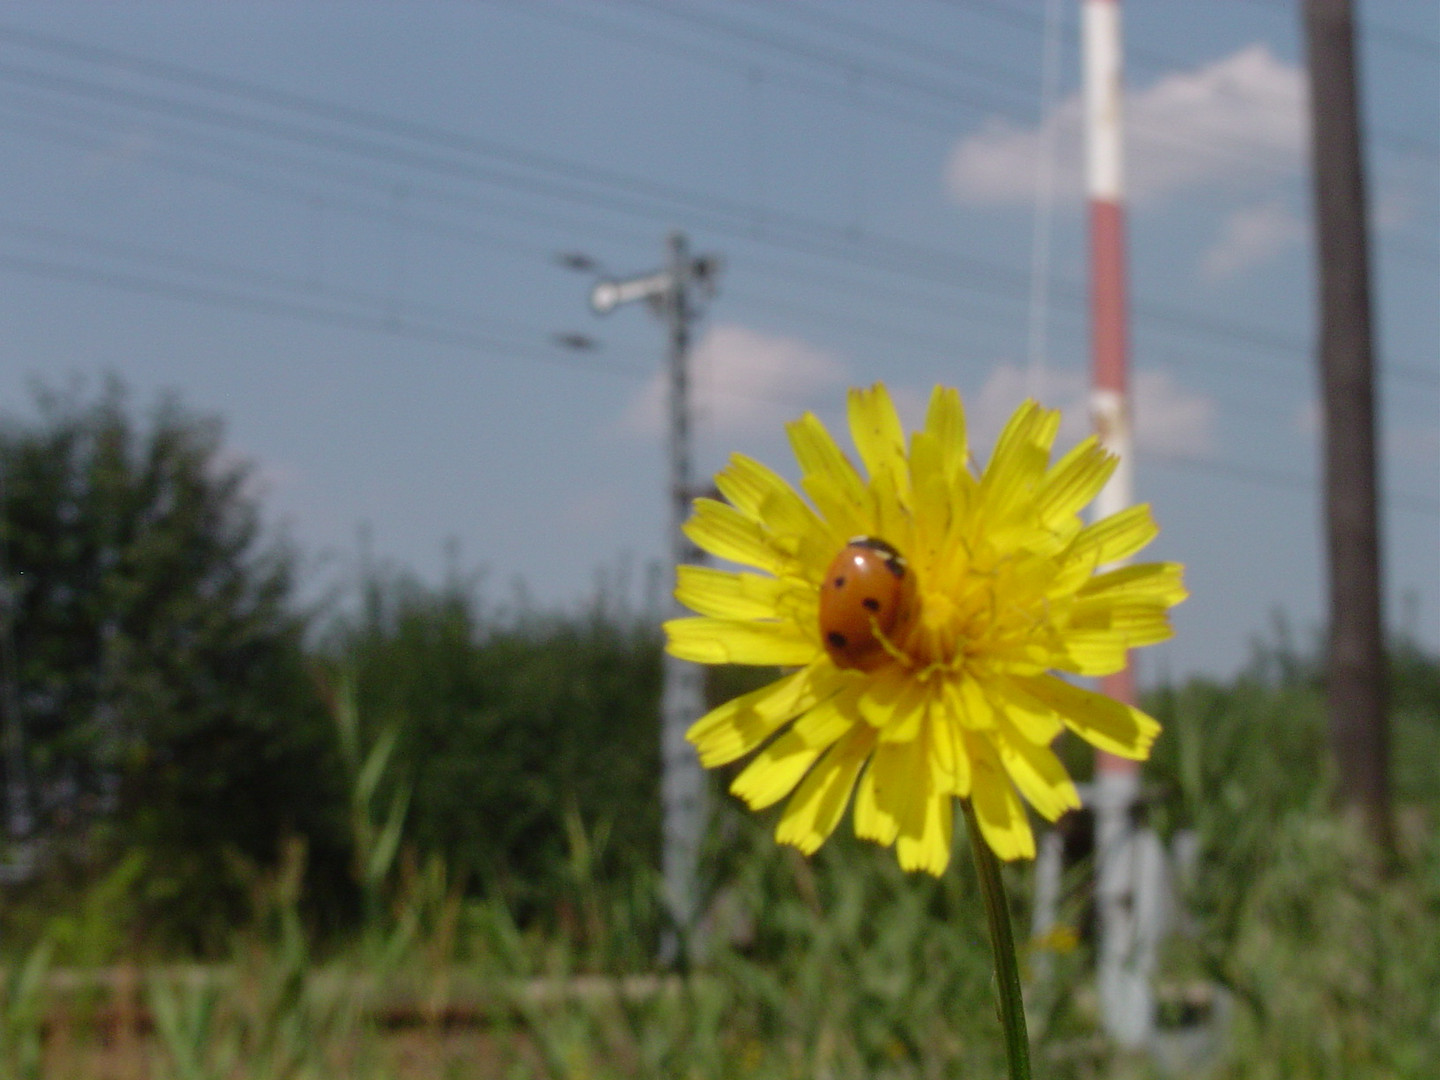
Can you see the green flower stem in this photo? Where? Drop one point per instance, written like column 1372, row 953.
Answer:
column 1002, row 941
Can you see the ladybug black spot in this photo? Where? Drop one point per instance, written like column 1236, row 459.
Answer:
column 836, row 639
column 870, row 604
column 840, row 582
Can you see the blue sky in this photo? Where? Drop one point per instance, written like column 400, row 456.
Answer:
column 335, row 226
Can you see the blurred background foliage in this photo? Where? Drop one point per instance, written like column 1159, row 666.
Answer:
column 160, row 676
column 422, row 788
column 510, row 723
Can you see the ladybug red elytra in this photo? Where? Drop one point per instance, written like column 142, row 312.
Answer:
column 869, row 591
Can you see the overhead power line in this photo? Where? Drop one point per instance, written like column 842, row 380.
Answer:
column 1408, row 502
column 616, row 192
column 1154, row 60
column 405, row 326
column 1020, row 108
column 495, row 348
column 390, row 325
column 249, row 277
column 600, row 188
column 451, row 229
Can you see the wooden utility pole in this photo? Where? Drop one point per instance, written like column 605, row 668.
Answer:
column 1355, row 667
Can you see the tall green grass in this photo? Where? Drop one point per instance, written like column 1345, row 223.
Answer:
column 833, row 967
column 1330, row 950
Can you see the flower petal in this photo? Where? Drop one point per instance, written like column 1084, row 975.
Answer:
column 1039, row 775
column 775, row 771
column 1073, row 481
column 1138, row 622
column 902, row 784
column 847, row 516
column 927, row 846
column 819, row 803
column 997, row 807
column 883, row 800
column 1020, row 457
column 945, row 420
column 1102, row 721
column 1091, row 652
column 1034, row 721
column 788, row 523
column 947, row 748
column 722, row 530
column 733, row 641
column 894, row 702
column 875, row 428
column 1116, row 537
column 732, row 730
column 930, row 499
column 727, row 595
column 887, row 507
column 819, row 457
column 975, row 709
column 829, row 720
column 748, row 484
column 1161, row 583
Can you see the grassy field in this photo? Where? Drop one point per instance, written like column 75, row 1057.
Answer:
column 1311, row 955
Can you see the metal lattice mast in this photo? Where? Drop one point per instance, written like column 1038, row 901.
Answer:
column 671, row 293
column 682, row 695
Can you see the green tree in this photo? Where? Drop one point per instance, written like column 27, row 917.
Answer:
column 160, row 671
column 514, row 729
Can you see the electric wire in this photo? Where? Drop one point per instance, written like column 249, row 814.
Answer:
column 943, row 267
column 1240, row 149
column 389, row 324
column 245, row 276
column 1390, row 499
column 492, row 348
column 892, row 268
column 1041, row 228
column 983, row 276
column 788, row 230
column 1150, row 59
column 947, row 305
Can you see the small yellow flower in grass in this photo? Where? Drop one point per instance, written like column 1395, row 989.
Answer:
column 924, row 609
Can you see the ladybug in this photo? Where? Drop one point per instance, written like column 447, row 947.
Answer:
column 868, row 593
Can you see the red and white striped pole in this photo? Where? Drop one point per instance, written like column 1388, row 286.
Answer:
column 1124, row 968
column 1109, row 331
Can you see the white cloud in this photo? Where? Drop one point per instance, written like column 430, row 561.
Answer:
column 1170, row 421
column 743, row 381
column 1232, row 123
column 1251, row 236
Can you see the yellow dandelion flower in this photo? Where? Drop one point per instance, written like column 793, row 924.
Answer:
column 940, row 684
